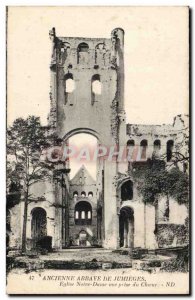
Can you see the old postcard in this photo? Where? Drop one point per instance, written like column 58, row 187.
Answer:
column 98, row 150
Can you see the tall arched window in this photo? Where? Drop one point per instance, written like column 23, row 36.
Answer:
column 100, row 54
column 83, row 53
column 69, row 85
column 90, row 194
column 127, row 190
column 76, row 215
column 83, row 213
column 157, row 146
column 96, row 87
column 66, row 47
column 75, row 194
column 89, row 215
column 130, row 148
column 65, row 52
column 170, row 144
column 83, row 194
column 143, row 146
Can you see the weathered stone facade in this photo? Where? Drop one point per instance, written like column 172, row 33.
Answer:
column 87, row 96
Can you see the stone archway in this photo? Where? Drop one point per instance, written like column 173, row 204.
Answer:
column 126, row 227
column 80, row 130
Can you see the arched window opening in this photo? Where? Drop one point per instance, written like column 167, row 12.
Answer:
column 157, row 146
column 143, row 146
column 130, row 143
column 83, row 194
column 90, row 194
column 89, row 215
column 66, row 47
column 84, row 210
column 96, row 84
column 75, row 194
column 127, row 190
column 69, row 85
column 82, row 53
column 96, row 87
column 100, row 54
column 65, row 52
column 144, row 143
column 76, row 215
column 170, row 144
column 130, row 148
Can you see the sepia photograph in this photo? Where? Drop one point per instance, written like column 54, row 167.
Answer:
column 98, row 160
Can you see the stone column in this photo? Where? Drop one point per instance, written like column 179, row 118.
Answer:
column 111, row 223
column 150, row 238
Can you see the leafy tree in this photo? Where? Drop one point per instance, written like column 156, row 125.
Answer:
column 178, row 185
column 153, row 179
column 150, row 179
column 25, row 139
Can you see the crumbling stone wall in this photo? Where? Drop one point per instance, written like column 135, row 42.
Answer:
column 178, row 132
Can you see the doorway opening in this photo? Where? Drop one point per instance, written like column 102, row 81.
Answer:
column 83, row 240
column 126, row 227
column 38, row 224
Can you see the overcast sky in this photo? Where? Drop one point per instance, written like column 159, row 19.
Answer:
column 156, row 57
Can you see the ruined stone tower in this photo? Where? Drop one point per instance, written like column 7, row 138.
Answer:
column 87, row 96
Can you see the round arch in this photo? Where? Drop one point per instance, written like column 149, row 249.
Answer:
column 123, row 180
column 83, row 213
column 126, row 191
column 81, row 130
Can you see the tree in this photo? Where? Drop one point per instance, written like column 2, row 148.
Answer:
column 178, row 185
column 25, row 139
column 150, row 179
column 153, row 179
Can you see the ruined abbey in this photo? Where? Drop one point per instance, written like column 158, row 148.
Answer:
column 87, row 96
